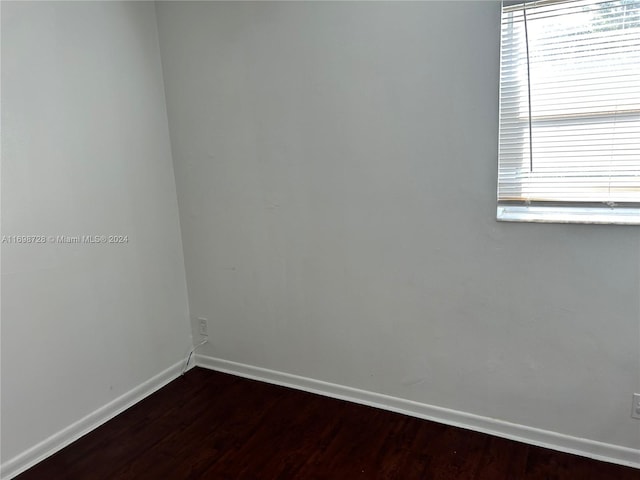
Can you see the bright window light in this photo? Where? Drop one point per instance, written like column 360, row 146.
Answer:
column 569, row 141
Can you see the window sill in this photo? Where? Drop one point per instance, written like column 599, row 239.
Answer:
column 569, row 214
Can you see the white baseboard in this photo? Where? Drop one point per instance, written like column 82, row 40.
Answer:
column 521, row 433
column 61, row 439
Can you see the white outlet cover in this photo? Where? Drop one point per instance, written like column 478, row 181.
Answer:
column 202, row 326
column 635, row 412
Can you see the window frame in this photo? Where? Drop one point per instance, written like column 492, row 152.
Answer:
column 559, row 211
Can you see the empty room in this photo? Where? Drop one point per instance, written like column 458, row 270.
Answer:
column 320, row 240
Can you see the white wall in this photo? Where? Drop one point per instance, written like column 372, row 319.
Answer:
column 315, row 148
column 85, row 150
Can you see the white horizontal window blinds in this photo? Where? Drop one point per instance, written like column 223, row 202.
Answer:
column 570, row 109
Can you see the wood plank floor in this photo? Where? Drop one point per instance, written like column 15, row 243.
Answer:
column 208, row 425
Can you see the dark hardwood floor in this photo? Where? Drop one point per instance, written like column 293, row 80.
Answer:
column 214, row 426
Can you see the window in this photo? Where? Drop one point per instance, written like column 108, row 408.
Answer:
column 569, row 141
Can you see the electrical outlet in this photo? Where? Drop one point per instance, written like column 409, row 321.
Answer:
column 635, row 412
column 202, row 326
